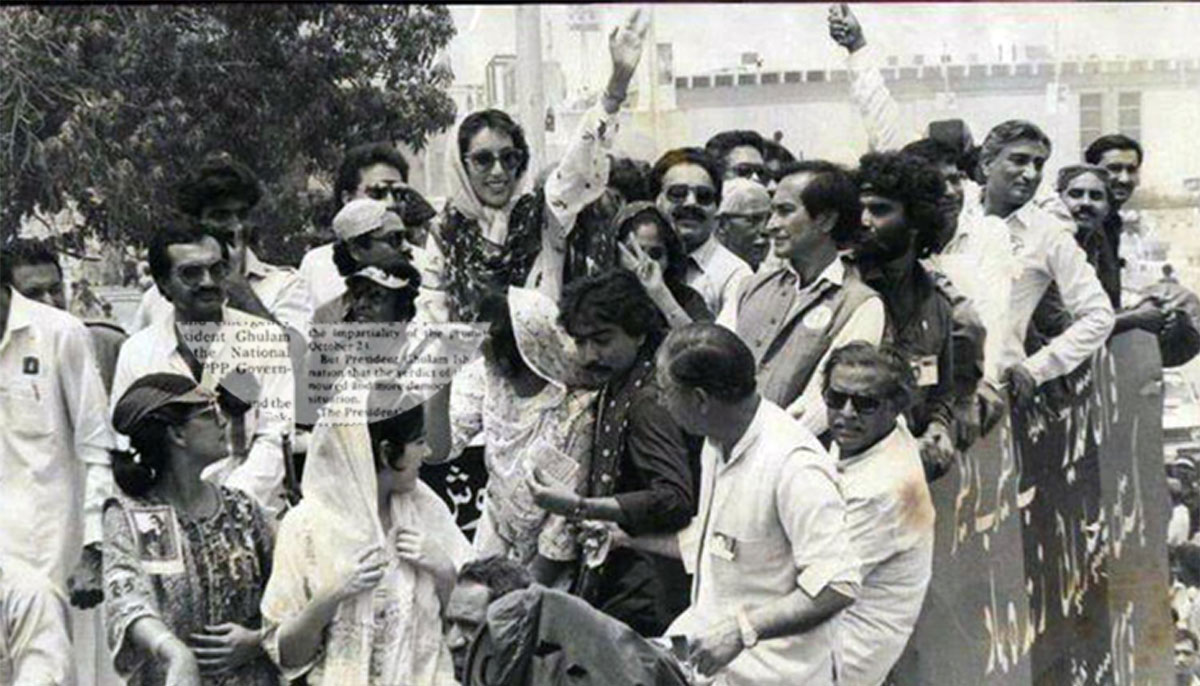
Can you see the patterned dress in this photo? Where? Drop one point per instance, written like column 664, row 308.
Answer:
column 476, row 266
column 189, row 573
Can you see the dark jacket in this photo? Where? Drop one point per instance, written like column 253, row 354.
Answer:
column 540, row 637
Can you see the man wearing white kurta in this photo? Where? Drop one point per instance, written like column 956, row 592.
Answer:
column 54, row 438
column 889, row 512
column 35, row 645
column 769, row 546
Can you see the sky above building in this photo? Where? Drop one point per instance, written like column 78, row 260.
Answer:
column 711, row 37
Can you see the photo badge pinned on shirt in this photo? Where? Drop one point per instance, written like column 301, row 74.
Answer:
column 926, row 368
column 818, row 318
column 723, row 546
column 156, row 536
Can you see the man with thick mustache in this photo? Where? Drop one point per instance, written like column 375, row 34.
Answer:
column 687, row 183
column 1086, row 191
column 206, row 339
column 644, row 470
column 1042, row 252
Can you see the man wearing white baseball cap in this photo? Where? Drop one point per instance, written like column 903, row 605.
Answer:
column 369, row 234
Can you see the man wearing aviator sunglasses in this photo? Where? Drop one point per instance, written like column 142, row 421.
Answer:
column 687, row 182
column 889, row 512
column 219, row 195
column 248, row 357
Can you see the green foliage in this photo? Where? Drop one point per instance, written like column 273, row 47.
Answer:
column 111, row 105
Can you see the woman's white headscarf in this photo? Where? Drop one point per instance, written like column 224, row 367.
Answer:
column 321, row 538
column 493, row 221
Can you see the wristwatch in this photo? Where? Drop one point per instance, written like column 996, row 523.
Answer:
column 746, row 629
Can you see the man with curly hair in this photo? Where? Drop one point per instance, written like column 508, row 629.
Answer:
column 643, row 471
column 902, row 223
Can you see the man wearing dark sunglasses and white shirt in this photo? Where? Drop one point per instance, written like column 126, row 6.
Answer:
column 889, row 512
column 791, row 316
column 220, row 194
column 205, row 339
column 376, row 171
column 687, row 185
column 740, row 154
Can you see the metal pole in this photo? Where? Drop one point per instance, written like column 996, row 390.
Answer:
column 531, row 94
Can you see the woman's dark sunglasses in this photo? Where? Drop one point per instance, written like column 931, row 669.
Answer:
column 862, row 404
column 511, row 159
column 678, row 193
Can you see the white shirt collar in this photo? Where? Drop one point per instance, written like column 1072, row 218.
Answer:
column 882, row 446
column 254, row 266
column 19, row 316
column 750, row 437
column 835, row 273
column 703, row 256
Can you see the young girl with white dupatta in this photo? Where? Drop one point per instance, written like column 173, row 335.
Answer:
column 364, row 564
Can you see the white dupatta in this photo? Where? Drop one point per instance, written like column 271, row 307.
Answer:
column 318, row 542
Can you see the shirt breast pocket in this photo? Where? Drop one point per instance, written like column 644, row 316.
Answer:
column 23, row 409
column 741, row 563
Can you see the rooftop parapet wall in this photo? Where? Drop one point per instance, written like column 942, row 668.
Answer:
column 915, row 82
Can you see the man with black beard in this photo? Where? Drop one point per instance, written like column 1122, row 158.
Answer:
column 902, row 223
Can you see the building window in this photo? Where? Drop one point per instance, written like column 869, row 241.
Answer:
column 1091, row 119
column 1129, row 114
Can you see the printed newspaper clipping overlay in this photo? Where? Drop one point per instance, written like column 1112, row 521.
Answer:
column 407, row 362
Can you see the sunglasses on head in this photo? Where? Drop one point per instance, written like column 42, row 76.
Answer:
column 863, row 404
column 212, row 410
column 678, row 193
column 510, row 158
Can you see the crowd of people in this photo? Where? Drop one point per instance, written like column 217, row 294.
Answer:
column 712, row 393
